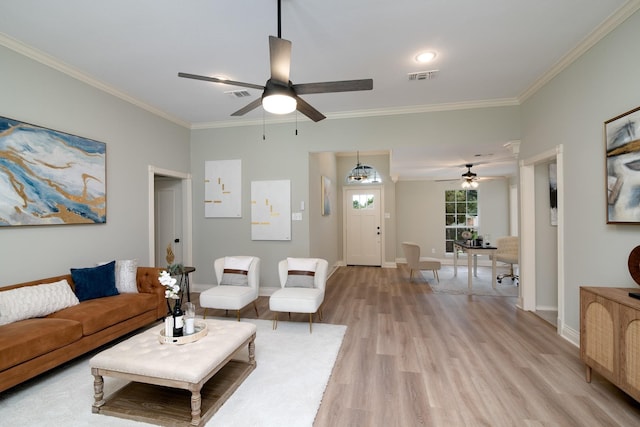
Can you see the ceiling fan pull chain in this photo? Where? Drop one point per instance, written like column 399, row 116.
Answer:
column 296, row 122
column 263, row 130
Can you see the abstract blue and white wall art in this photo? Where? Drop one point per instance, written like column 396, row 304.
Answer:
column 49, row 177
column 622, row 142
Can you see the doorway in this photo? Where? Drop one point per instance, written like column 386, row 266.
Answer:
column 363, row 234
column 170, row 216
column 528, row 243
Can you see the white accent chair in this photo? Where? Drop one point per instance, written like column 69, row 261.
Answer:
column 416, row 262
column 233, row 297
column 508, row 252
column 300, row 299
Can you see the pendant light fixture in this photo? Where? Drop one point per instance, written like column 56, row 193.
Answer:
column 360, row 172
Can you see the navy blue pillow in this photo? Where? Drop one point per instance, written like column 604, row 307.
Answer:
column 95, row 282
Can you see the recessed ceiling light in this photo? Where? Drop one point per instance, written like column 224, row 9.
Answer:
column 425, row 57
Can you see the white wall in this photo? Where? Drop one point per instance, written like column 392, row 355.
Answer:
column 37, row 94
column 285, row 155
column 323, row 229
column 421, row 205
column 571, row 110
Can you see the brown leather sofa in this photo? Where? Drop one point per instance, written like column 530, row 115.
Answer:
column 33, row 346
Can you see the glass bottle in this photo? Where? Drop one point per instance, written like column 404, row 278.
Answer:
column 178, row 320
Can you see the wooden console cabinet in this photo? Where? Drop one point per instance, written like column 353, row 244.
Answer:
column 610, row 336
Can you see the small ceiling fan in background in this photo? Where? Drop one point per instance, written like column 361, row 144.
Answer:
column 469, row 179
column 279, row 95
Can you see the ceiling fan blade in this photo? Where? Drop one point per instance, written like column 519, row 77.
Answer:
column 251, row 106
column 305, row 108
column 216, row 80
column 280, row 55
column 330, row 87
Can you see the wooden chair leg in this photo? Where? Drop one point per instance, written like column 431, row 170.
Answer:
column 275, row 321
column 255, row 307
column 411, row 275
column 238, row 314
column 310, row 322
column 204, row 315
column 435, row 273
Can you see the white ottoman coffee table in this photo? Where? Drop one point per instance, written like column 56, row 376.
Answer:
column 166, row 377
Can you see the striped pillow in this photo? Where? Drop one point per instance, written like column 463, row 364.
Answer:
column 301, row 273
column 236, row 271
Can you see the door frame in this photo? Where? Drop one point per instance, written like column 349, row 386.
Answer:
column 383, row 231
column 527, row 299
column 187, row 220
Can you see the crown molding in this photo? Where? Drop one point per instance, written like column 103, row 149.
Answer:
column 417, row 109
column 608, row 25
column 58, row 65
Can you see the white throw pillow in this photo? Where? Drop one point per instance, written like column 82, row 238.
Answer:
column 237, row 263
column 35, row 301
column 126, row 272
column 302, row 264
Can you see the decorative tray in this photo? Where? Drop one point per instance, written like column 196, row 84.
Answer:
column 200, row 331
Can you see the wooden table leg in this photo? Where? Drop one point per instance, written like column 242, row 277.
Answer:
column 469, row 269
column 455, row 260
column 588, row 374
column 196, row 402
column 98, row 391
column 493, row 271
column 252, row 351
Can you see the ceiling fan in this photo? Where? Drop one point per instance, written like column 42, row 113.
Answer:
column 279, row 95
column 470, row 179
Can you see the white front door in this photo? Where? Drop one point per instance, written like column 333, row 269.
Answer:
column 363, row 229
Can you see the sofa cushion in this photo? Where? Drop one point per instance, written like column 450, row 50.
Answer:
column 95, row 282
column 35, row 301
column 97, row 314
column 28, row 339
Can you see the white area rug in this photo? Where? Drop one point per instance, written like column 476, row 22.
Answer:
column 481, row 285
column 285, row 389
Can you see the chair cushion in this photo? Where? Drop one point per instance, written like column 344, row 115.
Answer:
column 227, row 297
column 297, row 300
column 427, row 263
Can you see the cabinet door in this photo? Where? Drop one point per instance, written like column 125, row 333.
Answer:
column 630, row 351
column 598, row 334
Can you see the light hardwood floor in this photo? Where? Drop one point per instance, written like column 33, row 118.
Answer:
column 411, row 357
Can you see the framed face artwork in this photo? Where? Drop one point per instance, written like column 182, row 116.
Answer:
column 622, row 150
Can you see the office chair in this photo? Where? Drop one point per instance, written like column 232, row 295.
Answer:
column 508, row 252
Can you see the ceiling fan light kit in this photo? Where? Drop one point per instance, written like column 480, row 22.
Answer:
column 279, row 104
column 279, row 95
column 469, row 179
